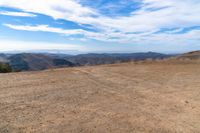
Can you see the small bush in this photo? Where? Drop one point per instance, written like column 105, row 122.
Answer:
column 5, row 68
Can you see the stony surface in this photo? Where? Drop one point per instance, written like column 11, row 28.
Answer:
column 120, row 98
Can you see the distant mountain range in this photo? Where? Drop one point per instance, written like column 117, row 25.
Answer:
column 97, row 59
column 34, row 62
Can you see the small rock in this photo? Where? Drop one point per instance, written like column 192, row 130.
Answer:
column 186, row 102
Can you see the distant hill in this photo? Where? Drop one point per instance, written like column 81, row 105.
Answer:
column 96, row 59
column 3, row 58
column 190, row 57
column 34, row 62
column 195, row 55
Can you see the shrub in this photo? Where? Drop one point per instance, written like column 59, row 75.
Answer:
column 5, row 68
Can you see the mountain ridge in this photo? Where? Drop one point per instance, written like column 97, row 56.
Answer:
column 42, row 61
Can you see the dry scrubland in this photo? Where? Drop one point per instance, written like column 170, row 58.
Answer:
column 120, row 98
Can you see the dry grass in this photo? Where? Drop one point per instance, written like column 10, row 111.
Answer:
column 144, row 97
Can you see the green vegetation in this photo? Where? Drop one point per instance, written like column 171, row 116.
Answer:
column 5, row 68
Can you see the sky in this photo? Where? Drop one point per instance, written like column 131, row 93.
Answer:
column 81, row 26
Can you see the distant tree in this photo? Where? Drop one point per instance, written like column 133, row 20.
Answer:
column 5, row 68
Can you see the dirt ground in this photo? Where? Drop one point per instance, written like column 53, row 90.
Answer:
column 120, row 98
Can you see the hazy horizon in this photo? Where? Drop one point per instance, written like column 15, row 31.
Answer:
column 74, row 52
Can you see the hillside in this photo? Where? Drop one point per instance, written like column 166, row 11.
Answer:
column 148, row 97
column 195, row 55
column 97, row 59
column 186, row 58
column 3, row 58
column 35, row 62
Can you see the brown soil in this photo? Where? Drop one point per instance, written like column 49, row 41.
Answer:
column 120, row 98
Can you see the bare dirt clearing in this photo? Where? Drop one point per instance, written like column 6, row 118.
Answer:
column 146, row 97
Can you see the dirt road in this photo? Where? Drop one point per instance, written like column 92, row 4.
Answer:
column 120, row 98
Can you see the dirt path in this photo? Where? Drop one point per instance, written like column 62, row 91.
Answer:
column 118, row 98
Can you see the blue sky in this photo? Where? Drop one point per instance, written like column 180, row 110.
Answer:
column 167, row 26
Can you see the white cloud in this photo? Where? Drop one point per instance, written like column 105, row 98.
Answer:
column 45, row 28
column 120, row 37
column 66, row 32
column 18, row 14
column 54, row 8
column 152, row 16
